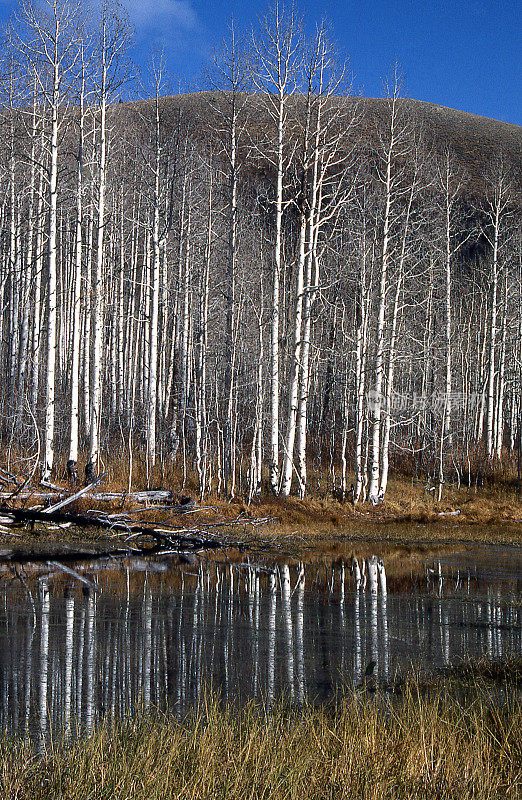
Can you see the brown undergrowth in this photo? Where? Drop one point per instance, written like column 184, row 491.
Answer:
column 410, row 515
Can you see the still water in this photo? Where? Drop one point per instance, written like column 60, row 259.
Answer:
column 75, row 648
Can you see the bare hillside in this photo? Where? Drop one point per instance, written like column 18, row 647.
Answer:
column 475, row 141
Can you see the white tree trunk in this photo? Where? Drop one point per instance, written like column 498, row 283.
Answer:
column 381, row 318
column 97, row 300
column 389, row 391
column 311, row 282
column 228, row 437
column 51, row 286
column 360, row 375
column 36, row 338
column 383, row 484
column 499, row 421
column 293, row 397
column 446, row 415
column 24, row 350
column 492, row 337
column 274, row 345
column 75, row 346
column 155, row 289
column 121, row 317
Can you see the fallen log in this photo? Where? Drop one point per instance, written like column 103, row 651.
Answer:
column 74, row 574
column 152, row 496
column 28, row 495
column 22, row 556
column 74, row 496
column 52, row 486
column 175, row 538
column 92, row 560
column 149, row 496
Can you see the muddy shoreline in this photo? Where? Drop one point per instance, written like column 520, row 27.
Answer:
column 290, row 528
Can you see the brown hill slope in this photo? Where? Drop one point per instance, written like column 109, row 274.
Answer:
column 476, row 141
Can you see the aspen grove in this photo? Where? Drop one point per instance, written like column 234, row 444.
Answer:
column 269, row 283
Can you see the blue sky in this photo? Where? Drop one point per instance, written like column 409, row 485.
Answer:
column 465, row 55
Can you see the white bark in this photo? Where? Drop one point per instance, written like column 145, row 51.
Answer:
column 153, row 351
column 229, row 443
column 288, row 458
column 75, row 345
column 277, row 62
column 274, row 343
column 392, row 345
column 311, row 280
column 381, row 316
column 36, row 334
column 24, row 339
column 499, row 420
column 360, row 374
column 51, row 285
column 385, row 464
column 446, row 416
column 492, row 334
column 97, row 287
column 498, row 193
column 121, row 316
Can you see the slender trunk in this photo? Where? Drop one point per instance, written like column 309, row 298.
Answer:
column 379, row 353
column 51, row 286
column 499, row 422
column 22, row 377
column 121, row 315
column 75, row 355
column 14, row 259
column 492, row 337
column 87, row 312
column 230, row 301
column 201, row 348
column 97, row 308
column 257, row 441
column 274, row 350
column 446, row 415
column 311, row 282
column 153, row 347
column 37, row 292
column 391, row 355
column 360, row 375
column 293, row 397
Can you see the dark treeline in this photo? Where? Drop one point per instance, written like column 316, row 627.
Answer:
column 261, row 282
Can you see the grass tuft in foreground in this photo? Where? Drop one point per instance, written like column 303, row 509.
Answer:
column 452, row 741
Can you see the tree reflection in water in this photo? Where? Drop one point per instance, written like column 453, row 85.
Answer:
column 68, row 657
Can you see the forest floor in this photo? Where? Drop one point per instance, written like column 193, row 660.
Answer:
column 406, row 514
column 409, row 519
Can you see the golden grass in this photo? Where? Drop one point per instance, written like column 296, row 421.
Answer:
column 409, row 516
column 447, row 741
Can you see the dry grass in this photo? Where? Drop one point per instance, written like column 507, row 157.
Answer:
column 410, row 515
column 442, row 742
column 406, row 500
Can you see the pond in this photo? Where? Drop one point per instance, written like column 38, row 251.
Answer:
column 104, row 638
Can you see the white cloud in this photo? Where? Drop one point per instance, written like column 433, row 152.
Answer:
column 151, row 15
